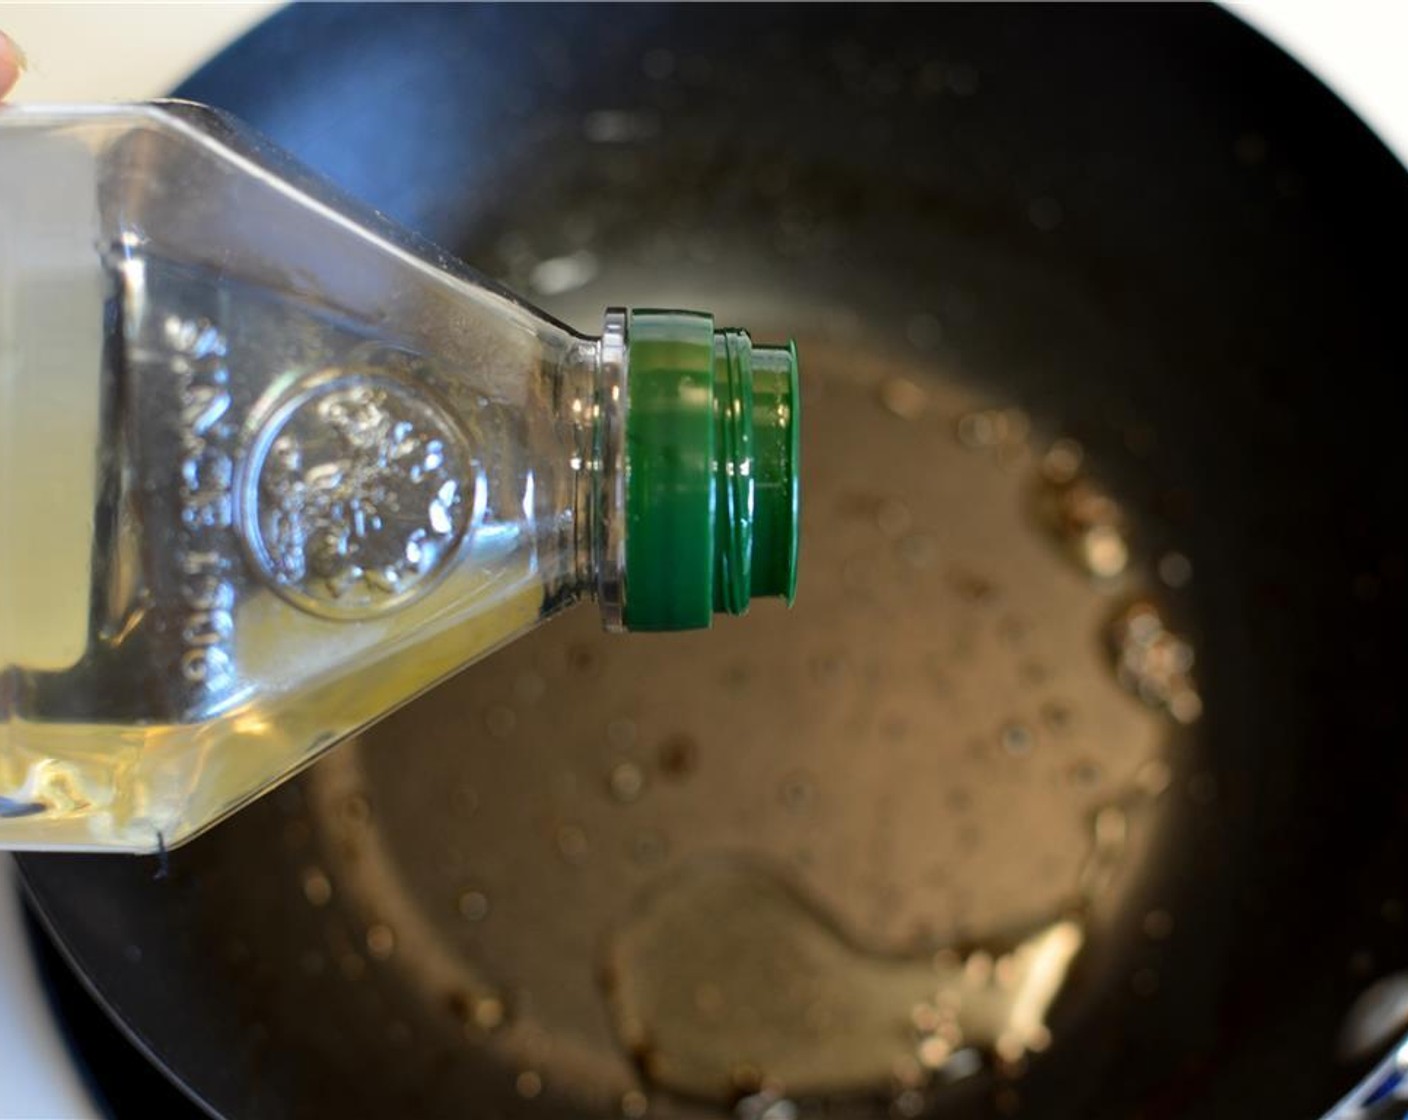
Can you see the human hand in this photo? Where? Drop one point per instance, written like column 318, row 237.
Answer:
column 11, row 63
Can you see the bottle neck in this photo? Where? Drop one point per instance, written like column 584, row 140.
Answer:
column 592, row 414
column 608, row 474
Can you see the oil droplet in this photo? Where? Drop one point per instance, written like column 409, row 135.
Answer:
column 892, row 517
column 797, row 791
column 489, row 1013
column 474, row 906
column 1088, row 524
column 903, row 398
column 317, row 888
column 1017, row 739
column 1056, row 716
column 634, row 1104
column 909, row 1103
column 381, row 941
column 984, row 430
column 1158, row 924
column 1175, row 569
column 1085, row 774
column 934, row 1051
column 679, row 754
column 1153, row 777
column 572, row 843
column 1153, row 663
column 500, row 721
column 528, row 1084
column 1062, row 462
column 583, row 659
column 626, row 782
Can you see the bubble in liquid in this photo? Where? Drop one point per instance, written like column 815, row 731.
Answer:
column 1088, row 524
column 1153, row 777
column 892, row 517
column 474, row 906
column 626, row 782
column 1153, row 663
column 1062, row 461
column 934, row 1051
column 1017, row 739
column 489, row 1012
column 317, row 887
column 381, row 941
column 903, row 398
column 500, row 721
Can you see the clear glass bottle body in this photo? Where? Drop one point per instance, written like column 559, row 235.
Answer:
column 267, row 471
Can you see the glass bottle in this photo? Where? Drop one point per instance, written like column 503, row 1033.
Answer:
column 270, row 467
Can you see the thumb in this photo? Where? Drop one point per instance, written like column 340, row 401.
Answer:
column 11, row 63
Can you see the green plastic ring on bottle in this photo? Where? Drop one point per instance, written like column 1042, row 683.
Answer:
column 712, row 494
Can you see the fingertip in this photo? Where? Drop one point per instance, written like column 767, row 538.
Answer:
column 11, row 63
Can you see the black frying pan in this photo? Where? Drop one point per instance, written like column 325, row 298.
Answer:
column 1143, row 228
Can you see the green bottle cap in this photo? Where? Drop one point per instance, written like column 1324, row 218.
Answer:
column 712, row 445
